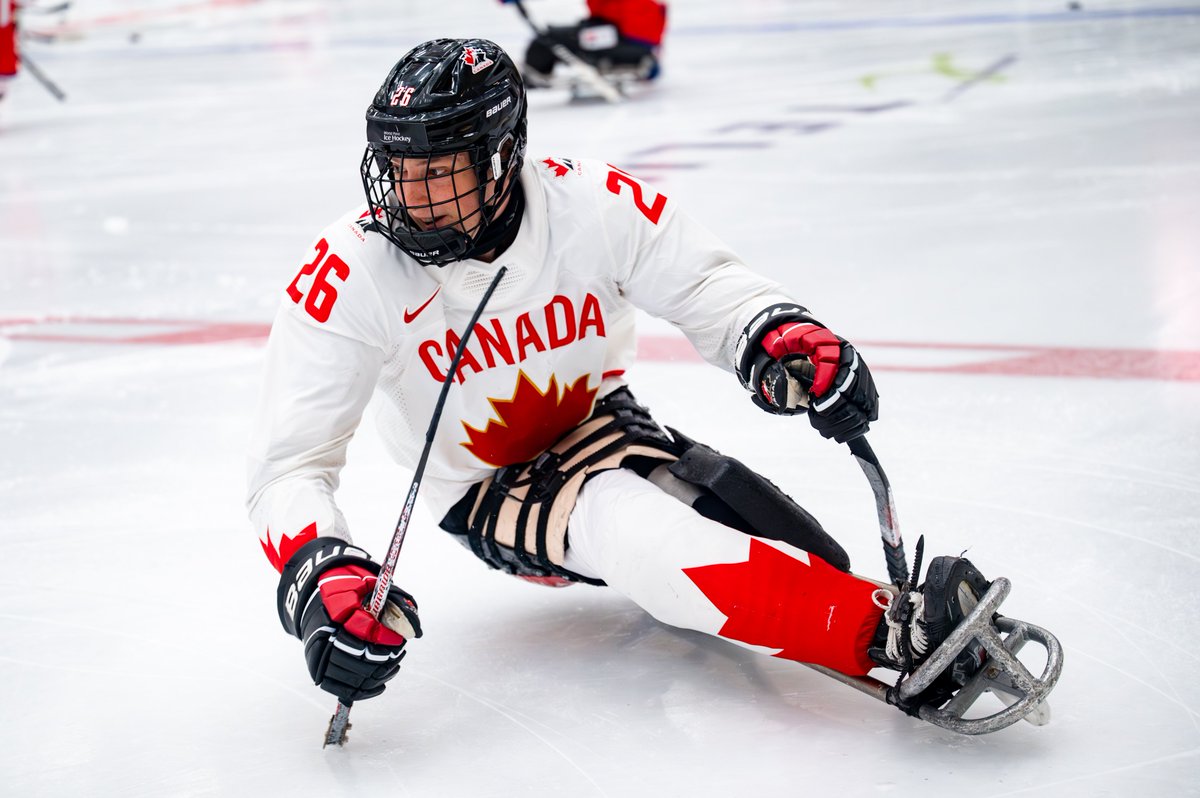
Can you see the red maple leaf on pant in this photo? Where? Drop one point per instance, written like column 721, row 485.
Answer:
column 811, row 611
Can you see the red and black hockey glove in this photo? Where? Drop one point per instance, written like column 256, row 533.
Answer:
column 792, row 364
column 323, row 592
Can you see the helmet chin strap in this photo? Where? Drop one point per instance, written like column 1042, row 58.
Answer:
column 501, row 230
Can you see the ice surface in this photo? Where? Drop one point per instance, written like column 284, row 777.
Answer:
column 999, row 200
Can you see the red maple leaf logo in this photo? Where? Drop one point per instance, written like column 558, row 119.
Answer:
column 811, row 611
column 279, row 555
column 528, row 423
column 476, row 58
column 558, row 169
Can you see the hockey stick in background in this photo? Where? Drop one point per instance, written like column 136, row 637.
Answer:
column 48, row 84
column 588, row 72
column 885, row 506
column 57, row 8
column 41, row 77
column 340, row 722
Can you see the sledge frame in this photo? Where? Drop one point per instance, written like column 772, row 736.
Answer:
column 1002, row 674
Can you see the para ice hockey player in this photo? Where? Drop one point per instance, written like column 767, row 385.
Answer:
column 620, row 38
column 545, row 464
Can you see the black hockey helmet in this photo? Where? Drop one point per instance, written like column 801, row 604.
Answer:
column 445, row 144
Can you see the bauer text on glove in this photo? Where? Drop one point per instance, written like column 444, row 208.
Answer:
column 323, row 592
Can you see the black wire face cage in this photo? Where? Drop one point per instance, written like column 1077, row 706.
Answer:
column 437, row 206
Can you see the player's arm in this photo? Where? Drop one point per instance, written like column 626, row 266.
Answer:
column 791, row 363
column 672, row 267
column 315, row 388
column 317, row 384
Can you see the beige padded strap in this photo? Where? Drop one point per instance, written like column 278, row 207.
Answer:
column 563, row 501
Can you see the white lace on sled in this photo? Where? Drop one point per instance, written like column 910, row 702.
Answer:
column 885, row 599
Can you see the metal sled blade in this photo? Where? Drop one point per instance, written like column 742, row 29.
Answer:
column 1003, row 674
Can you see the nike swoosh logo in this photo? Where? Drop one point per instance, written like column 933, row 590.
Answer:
column 410, row 317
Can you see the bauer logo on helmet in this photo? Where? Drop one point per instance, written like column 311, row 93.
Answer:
column 499, row 107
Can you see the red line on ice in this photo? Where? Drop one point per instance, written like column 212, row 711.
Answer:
column 1000, row 359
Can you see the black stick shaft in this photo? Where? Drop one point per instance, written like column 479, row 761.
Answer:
column 338, row 725
column 885, row 506
column 384, row 580
column 525, row 14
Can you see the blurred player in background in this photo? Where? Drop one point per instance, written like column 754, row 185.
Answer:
column 621, row 38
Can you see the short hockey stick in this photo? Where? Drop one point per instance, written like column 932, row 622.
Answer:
column 885, row 506
column 803, row 370
column 1022, row 692
column 340, row 722
column 36, row 71
column 588, row 72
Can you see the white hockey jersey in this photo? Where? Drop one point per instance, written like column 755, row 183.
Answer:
column 558, row 333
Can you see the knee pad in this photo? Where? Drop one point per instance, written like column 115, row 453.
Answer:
column 516, row 520
column 729, row 492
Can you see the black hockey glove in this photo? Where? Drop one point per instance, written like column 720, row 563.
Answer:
column 322, row 595
column 792, row 364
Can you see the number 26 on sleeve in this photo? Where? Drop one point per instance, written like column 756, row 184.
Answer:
column 321, row 294
column 618, row 178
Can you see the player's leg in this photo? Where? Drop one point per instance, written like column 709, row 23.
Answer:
column 539, row 57
column 692, row 572
column 689, row 571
